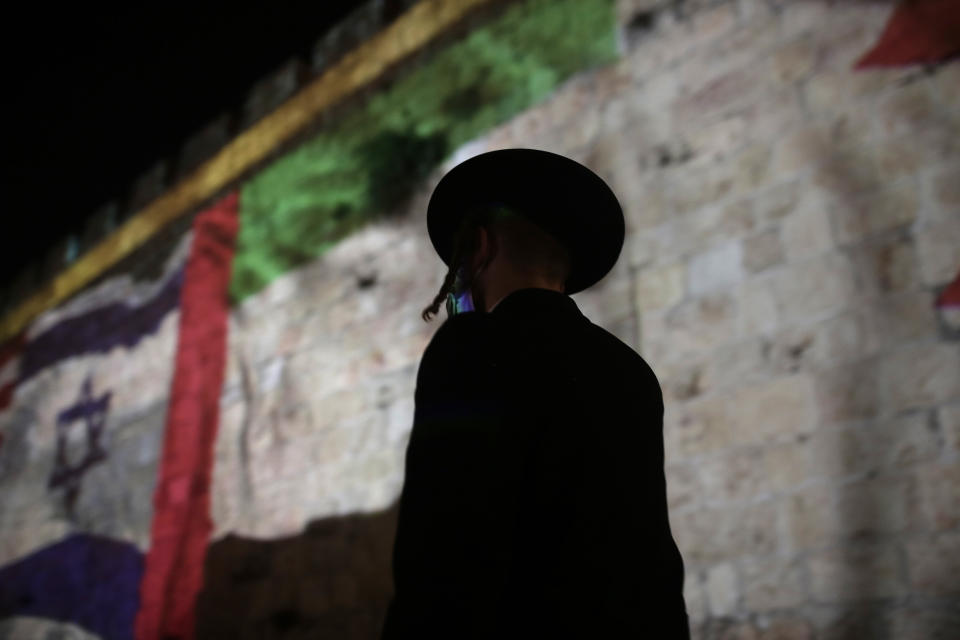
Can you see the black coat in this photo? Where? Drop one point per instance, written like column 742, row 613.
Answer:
column 534, row 502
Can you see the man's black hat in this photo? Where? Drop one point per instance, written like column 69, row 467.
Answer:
column 560, row 195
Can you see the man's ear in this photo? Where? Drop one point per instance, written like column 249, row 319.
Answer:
column 482, row 256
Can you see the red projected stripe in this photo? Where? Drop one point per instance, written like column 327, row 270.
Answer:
column 8, row 379
column 950, row 297
column 173, row 567
column 918, row 31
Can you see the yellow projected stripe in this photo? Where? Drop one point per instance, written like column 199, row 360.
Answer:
column 412, row 30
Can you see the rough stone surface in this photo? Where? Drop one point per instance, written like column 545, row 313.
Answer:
column 933, row 564
column 789, row 223
column 762, row 251
column 773, row 583
column 864, row 570
column 715, row 270
column 722, row 589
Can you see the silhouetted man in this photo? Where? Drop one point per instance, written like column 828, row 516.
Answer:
column 534, row 502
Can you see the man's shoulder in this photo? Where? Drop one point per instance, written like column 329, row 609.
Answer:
column 460, row 331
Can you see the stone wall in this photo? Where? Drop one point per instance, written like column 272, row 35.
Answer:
column 790, row 222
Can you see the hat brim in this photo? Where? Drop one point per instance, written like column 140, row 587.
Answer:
column 560, row 195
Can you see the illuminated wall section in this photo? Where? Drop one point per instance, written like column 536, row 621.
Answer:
column 368, row 161
column 111, row 417
column 218, row 451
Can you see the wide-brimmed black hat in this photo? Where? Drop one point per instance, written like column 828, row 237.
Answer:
column 560, row 195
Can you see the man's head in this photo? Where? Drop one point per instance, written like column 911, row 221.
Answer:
column 502, row 251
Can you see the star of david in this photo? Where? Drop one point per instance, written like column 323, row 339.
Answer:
column 93, row 413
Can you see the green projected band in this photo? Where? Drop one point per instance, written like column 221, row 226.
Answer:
column 366, row 162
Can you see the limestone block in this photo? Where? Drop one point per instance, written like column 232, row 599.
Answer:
column 778, row 408
column 773, row 582
column 777, row 109
column 919, row 375
column 681, row 380
column 710, row 23
column 712, row 535
column 848, row 392
column 683, row 485
column 758, row 308
column 796, row 18
column 893, row 205
column 848, row 32
column 832, row 92
column 837, row 621
column 899, row 155
column 722, row 223
column 841, row 338
column 399, row 422
column 644, row 201
column 694, row 597
column 749, row 43
column 715, row 141
column 698, row 324
column 752, row 167
column 934, row 564
column 794, row 60
column 763, row 250
column 903, row 441
column 948, row 417
column 734, row 365
column 814, row 287
column 886, row 264
column 945, row 190
column 919, row 622
column 807, row 232
column 737, row 475
column 774, row 203
column 879, row 506
column 754, row 10
column 626, row 330
column 715, row 269
column 787, row 629
column 730, row 629
column 855, row 572
column 938, row 251
column 614, row 299
column 911, row 108
column 898, row 318
column 847, row 174
column 812, row 517
column 701, row 425
column 840, row 451
column 662, row 46
column 229, row 479
column 801, row 148
column 719, row 93
column 723, row 590
column 939, row 495
column 701, row 186
column 787, row 464
column 946, row 82
column 640, row 250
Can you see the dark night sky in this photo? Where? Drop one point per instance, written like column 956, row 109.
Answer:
column 95, row 99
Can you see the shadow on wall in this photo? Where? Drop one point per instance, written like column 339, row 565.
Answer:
column 332, row 581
